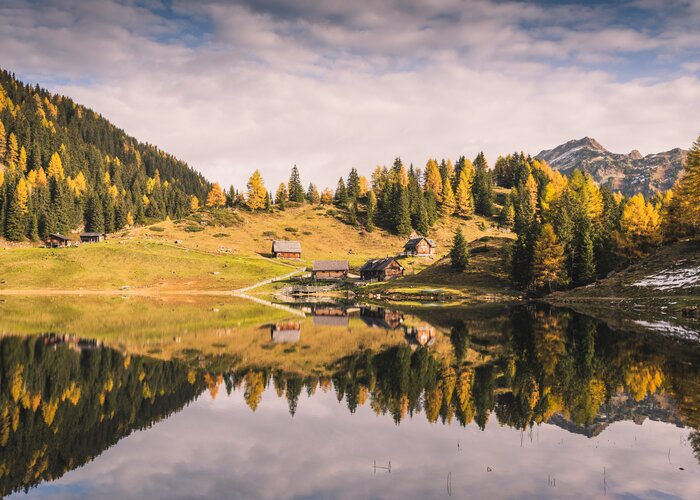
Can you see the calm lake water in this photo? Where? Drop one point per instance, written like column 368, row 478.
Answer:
column 124, row 398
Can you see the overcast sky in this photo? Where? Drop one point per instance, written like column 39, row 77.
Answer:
column 234, row 86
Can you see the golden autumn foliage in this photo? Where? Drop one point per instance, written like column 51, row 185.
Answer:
column 448, row 198
column 257, row 192
column 641, row 379
column 22, row 195
column 194, row 203
column 254, row 387
column 548, row 260
column 640, row 219
column 2, row 177
column 689, row 189
column 463, row 194
column 216, row 197
column 55, row 170
column 433, row 181
column 327, row 197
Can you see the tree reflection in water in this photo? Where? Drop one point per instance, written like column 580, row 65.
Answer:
column 64, row 400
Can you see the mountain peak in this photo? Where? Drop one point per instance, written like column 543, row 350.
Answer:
column 635, row 155
column 589, row 143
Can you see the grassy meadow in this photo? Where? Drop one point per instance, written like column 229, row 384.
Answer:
column 218, row 251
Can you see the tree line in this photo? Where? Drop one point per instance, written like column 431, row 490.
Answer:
column 63, row 166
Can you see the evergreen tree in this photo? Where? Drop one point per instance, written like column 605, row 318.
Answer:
column 459, row 253
column 341, row 194
column 506, row 218
column 15, row 221
column 296, row 190
column 402, row 214
column 281, row 196
column 371, row 211
column 353, row 186
column 584, row 268
column 94, row 215
column 689, row 191
column 483, row 187
column 312, row 195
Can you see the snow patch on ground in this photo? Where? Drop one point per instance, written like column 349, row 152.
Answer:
column 666, row 328
column 669, row 279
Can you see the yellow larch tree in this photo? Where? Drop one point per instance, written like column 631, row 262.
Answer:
column 216, row 197
column 448, row 198
column 548, row 260
column 433, row 181
column 22, row 161
column 463, row 195
column 194, row 203
column 12, row 155
column 327, row 196
column 56, row 168
column 689, row 189
column 256, row 192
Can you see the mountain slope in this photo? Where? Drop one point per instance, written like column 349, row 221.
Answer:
column 63, row 166
column 629, row 173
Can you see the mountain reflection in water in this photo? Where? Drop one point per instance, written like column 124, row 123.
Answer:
column 531, row 393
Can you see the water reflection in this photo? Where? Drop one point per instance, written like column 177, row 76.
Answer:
column 65, row 399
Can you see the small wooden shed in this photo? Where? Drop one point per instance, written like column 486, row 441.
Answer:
column 381, row 269
column 286, row 332
column 286, row 249
column 330, row 269
column 420, row 246
column 92, row 237
column 56, row 240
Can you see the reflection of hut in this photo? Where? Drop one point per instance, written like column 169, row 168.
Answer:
column 381, row 318
column 75, row 343
column 56, row 240
column 420, row 246
column 92, row 237
column 330, row 269
column 330, row 316
column 381, row 269
column 285, row 332
column 286, row 249
column 422, row 335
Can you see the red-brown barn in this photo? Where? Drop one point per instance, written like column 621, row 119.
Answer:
column 56, row 240
column 381, row 269
column 330, row 269
column 420, row 246
column 286, row 249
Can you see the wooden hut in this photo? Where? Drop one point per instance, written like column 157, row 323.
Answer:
column 56, row 240
column 379, row 317
column 286, row 332
column 421, row 335
column 286, row 249
column 420, row 246
column 330, row 269
column 92, row 237
column 381, row 269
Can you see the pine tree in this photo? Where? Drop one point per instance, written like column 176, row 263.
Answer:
column 312, row 195
column 459, row 253
column 689, row 191
column 448, row 198
column 216, row 197
column 281, row 196
column 548, row 260
column 402, row 214
column 94, row 215
column 483, row 187
column 353, row 186
column 507, row 216
column 341, row 194
column 256, row 192
column 464, row 197
column 296, row 190
column 371, row 211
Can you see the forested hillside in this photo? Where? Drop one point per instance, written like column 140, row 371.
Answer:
column 63, row 166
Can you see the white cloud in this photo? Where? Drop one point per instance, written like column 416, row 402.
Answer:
column 338, row 85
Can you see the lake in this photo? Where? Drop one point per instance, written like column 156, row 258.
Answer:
column 228, row 398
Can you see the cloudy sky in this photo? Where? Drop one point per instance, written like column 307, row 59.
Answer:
column 230, row 86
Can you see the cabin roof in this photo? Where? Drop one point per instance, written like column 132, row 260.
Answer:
column 286, row 246
column 378, row 264
column 331, row 265
column 58, row 236
column 413, row 242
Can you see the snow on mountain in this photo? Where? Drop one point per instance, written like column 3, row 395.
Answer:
column 628, row 173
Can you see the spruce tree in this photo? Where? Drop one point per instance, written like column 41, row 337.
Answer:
column 94, row 215
column 15, row 219
column 341, row 194
column 459, row 253
column 402, row 214
column 281, row 196
column 312, row 195
column 296, row 190
column 483, row 187
column 371, row 211
column 353, row 186
column 584, row 269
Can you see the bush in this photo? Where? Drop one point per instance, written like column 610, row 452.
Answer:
column 480, row 249
column 156, row 229
column 269, row 234
column 193, row 229
column 221, row 235
column 291, row 230
column 307, row 233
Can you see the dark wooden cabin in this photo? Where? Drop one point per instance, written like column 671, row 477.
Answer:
column 92, row 237
column 379, row 317
column 56, row 240
column 286, row 249
column 330, row 269
column 420, row 246
column 381, row 269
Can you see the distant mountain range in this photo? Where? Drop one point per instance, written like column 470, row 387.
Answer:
column 628, row 173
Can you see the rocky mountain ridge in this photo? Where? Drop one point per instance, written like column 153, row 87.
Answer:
column 628, row 173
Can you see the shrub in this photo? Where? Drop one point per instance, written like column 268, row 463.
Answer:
column 193, row 229
column 221, row 235
column 291, row 229
column 156, row 229
column 269, row 234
